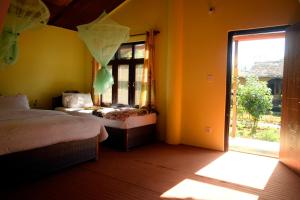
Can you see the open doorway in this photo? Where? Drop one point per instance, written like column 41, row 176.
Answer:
column 254, row 90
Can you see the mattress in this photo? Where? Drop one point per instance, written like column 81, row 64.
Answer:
column 76, row 111
column 30, row 129
column 130, row 122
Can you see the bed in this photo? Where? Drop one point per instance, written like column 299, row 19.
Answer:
column 35, row 142
column 125, row 131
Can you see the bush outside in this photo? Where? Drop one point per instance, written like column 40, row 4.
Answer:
column 256, row 99
column 267, row 124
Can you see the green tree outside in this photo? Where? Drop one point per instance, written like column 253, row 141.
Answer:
column 255, row 98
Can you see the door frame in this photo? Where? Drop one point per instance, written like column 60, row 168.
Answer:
column 231, row 34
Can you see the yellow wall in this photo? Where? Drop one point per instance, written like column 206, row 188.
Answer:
column 51, row 61
column 192, row 45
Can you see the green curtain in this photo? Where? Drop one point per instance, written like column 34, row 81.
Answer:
column 103, row 38
column 21, row 15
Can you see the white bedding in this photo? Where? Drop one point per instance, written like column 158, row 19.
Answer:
column 130, row 122
column 76, row 111
column 29, row 129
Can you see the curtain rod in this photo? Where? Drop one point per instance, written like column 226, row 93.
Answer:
column 138, row 34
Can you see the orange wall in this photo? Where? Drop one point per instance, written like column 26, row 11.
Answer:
column 174, row 72
column 192, row 45
column 205, row 51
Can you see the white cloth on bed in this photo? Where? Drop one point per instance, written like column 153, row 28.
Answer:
column 28, row 129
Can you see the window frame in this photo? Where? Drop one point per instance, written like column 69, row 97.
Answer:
column 115, row 62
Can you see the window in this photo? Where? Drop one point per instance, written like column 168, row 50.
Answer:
column 127, row 68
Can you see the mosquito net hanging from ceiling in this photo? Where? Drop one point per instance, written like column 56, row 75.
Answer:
column 21, row 15
column 103, row 38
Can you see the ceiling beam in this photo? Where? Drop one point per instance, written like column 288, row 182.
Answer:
column 3, row 11
column 77, row 12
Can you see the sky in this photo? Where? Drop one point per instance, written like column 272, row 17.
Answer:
column 259, row 50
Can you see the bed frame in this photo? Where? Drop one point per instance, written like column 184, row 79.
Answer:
column 36, row 162
column 124, row 139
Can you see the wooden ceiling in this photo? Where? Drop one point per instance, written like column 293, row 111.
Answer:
column 71, row 13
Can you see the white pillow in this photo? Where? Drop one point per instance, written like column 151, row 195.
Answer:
column 77, row 100
column 17, row 102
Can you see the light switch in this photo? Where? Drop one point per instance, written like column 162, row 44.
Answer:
column 210, row 78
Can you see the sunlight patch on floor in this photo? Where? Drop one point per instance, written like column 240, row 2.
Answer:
column 191, row 189
column 240, row 168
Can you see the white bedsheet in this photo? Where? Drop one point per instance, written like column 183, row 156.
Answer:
column 130, row 122
column 25, row 130
column 76, row 111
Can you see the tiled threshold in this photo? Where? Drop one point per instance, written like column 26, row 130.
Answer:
column 258, row 147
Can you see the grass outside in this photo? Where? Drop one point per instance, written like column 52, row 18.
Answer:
column 268, row 127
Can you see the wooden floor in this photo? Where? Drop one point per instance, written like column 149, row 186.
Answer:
column 168, row 172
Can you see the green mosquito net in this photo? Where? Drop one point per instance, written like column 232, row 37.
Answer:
column 21, row 15
column 103, row 38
